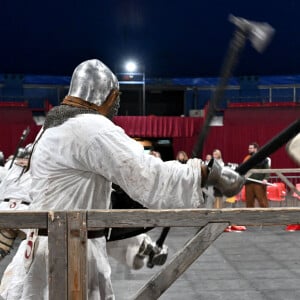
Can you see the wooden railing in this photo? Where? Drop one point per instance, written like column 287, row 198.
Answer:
column 67, row 239
column 67, row 236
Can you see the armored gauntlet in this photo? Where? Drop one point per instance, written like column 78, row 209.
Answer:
column 226, row 180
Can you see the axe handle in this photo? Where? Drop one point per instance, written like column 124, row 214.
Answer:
column 162, row 237
column 21, row 140
column 273, row 145
column 236, row 45
column 260, row 181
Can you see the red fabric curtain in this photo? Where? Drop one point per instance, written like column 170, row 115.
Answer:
column 261, row 124
column 184, row 144
column 182, row 130
column 152, row 126
column 13, row 121
column 241, row 127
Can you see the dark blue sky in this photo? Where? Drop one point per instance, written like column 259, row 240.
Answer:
column 170, row 38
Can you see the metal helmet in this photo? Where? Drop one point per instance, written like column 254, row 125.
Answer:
column 21, row 153
column 28, row 149
column 92, row 81
column 1, row 158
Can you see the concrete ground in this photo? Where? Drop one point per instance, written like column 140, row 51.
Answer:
column 259, row 263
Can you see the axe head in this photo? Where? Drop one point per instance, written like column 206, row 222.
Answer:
column 259, row 34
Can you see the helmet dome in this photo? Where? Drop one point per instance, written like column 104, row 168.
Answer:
column 92, row 81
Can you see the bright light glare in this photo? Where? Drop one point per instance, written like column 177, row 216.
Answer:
column 130, row 66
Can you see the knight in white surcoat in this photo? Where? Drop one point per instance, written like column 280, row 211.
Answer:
column 78, row 155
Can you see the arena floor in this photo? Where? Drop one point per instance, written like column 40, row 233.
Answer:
column 260, row 263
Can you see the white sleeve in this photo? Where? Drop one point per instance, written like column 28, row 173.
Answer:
column 145, row 178
column 3, row 172
column 293, row 148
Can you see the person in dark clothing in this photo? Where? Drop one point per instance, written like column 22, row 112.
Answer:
column 255, row 190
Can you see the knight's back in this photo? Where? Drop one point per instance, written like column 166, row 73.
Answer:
column 62, row 170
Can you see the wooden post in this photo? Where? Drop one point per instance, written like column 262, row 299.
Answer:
column 77, row 256
column 218, row 202
column 57, row 245
column 162, row 280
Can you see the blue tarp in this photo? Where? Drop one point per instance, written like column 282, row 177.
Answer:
column 189, row 82
column 234, row 81
column 46, row 79
column 278, row 80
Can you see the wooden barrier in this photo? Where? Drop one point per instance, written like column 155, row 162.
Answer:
column 67, row 233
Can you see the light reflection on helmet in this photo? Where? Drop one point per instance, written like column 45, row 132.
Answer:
column 21, row 153
column 92, row 81
column 28, row 150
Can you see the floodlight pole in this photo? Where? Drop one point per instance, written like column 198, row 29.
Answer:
column 141, row 80
column 144, row 95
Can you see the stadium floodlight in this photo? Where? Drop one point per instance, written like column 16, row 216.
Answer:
column 130, row 66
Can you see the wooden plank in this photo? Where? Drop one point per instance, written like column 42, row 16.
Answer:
column 58, row 255
column 162, row 280
column 161, row 218
column 77, row 256
column 23, row 219
column 193, row 217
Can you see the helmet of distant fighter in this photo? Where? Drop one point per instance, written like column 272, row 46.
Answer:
column 28, row 150
column 21, row 152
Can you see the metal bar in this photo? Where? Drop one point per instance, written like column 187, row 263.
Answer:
column 144, row 95
column 260, row 181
